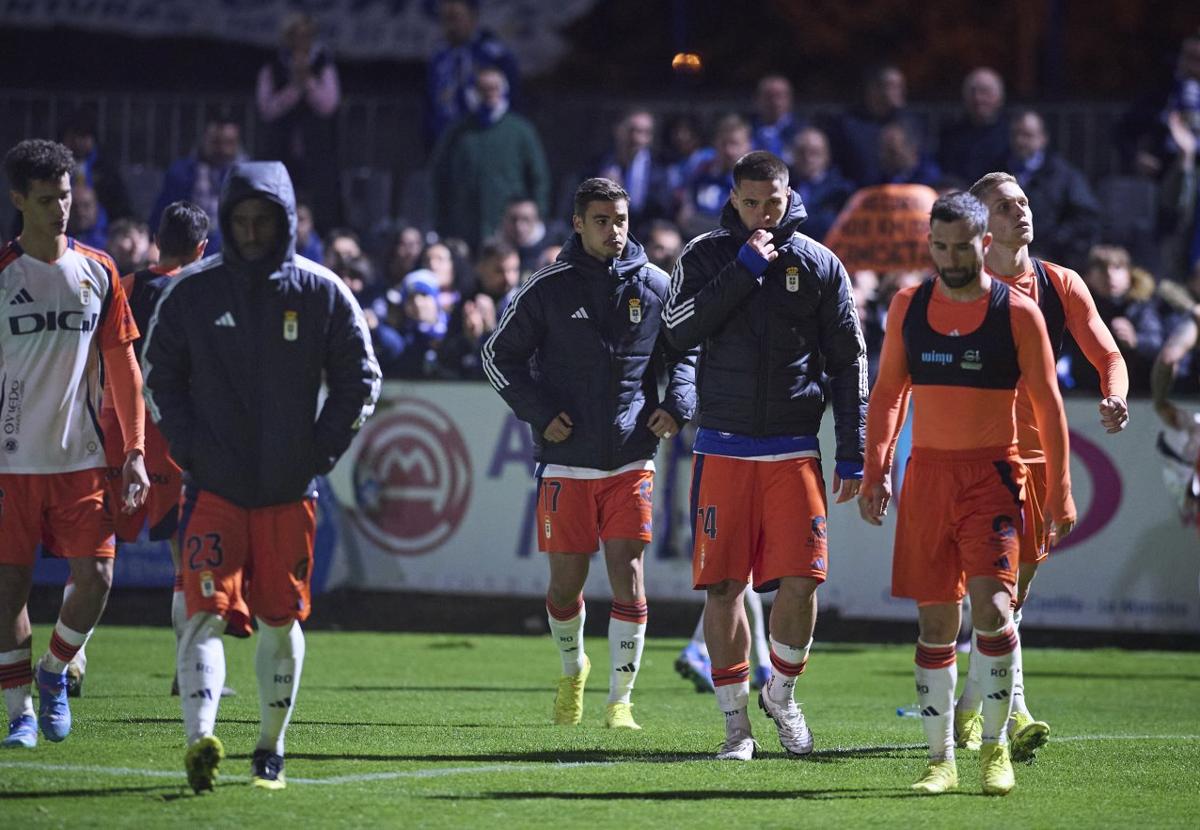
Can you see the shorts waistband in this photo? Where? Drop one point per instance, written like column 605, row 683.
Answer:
column 966, row 455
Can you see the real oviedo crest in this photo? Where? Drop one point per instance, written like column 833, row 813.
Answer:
column 635, row 310
column 792, row 278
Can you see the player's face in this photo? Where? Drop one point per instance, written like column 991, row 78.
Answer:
column 957, row 252
column 256, row 228
column 46, row 207
column 1010, row 220
column 604, row 228
column 760, row 204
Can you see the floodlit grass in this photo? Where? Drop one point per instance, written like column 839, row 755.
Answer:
column 454, row 731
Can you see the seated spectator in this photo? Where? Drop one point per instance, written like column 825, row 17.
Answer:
column 308, row 241
column 1126, row 303
column 685, row 150
column 450, row 270
column 549, row 256
column 705, row 194
column 404, row 255
column 407, row 341
column 1067, row 211
column 664, row 244
column 197, row 178
column 901, row 159
column 498, row 273
column 523, row 229
column 79, row 136
column 344, row 256
column 631, row 164
column 977, row 143
column 854, row 136
column 130, row 246
column 482, row 161
column 1145, row 142
column 87, row 221
column 821, row 186
column 774, row 124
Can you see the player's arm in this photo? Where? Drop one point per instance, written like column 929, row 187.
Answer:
column 705, row 291
column 1098, row 345
column 1162, row 375
column 117, row 333
column 845, row 354
column 506, row 356
column 679, row 401
column 167, row 373
column 352, row 379
column 885, row 414
column 1036, row 360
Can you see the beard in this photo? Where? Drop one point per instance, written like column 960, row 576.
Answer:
column 958, row 277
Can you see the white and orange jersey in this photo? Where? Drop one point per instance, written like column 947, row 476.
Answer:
column 57, row 319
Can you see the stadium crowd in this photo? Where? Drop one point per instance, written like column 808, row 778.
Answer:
column 434, row 289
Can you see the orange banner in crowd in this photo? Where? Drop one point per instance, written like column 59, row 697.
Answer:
column 884, row 228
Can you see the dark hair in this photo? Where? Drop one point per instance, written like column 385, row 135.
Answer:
column 759, row 166
column 597, row 190
column 36, row 159
column 957, row 207
column 183, row 226
column 520, row 200
column 495, row 248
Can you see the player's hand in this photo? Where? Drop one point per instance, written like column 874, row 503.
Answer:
column 845, row 490
column 559, row 429
column 760, row 242
column 873, row 502
column 1170, row 414
column 1114, row 414
column 1057, row 530
column 662, row 424
column 135, row 484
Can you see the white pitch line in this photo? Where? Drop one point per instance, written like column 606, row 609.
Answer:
column 441, row 772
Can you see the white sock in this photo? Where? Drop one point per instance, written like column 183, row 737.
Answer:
column 566, row 627
column 997, row 650
column 626, row 638
column 201, row 667
column 787, row 664
column 277, row 662
column 698, row 635
column 759, row 647
column 65, row 643
column 16, row 666
column 937, row 673
column 733, row 698
column 1018, row 669
column 178, row 614
column 969, row 700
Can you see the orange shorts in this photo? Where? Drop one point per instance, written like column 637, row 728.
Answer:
column 237, row 562
column 760, row 518
column 961, row 516
column 65, row 512
column 1033, row 540
column 161, row 509
column 575, row 515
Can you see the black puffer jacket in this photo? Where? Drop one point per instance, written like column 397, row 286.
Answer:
column 237, row 352
column 585, row 338
column 767, row 340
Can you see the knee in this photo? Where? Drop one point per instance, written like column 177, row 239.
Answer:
column 727, row 592
column 201, row 626
column 798, row 588
column 989, row 617
column 93, row 576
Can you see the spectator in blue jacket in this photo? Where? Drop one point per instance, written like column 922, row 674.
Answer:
column 775, row 123
column 855, row 134
column 821, row 186
column 978, row 142
column 198, row 178
column 902, row 159
column 631, row 163
column 450, row 86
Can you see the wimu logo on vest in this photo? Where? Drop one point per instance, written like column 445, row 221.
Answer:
column 943, row 358
column 35, row 323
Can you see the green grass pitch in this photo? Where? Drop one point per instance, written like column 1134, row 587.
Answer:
column 453, row 731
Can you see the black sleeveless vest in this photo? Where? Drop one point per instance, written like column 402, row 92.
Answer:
column 983, row 359
column 1052, row 307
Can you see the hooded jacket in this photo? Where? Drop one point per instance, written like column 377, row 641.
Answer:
column 584, row 337
column 236, row 355
column 768, row 340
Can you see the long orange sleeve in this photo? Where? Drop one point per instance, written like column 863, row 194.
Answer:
column 1040, row 379
column 889, row 396
column 121, row 367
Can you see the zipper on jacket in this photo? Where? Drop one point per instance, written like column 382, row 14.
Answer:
column 763, row 375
